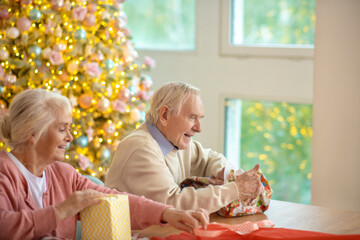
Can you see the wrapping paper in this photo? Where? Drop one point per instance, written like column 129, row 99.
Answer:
column 241, row 228
column 260, row 234
column 239, row 207
column 109, row 219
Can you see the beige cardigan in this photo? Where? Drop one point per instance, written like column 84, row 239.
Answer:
column 139, row 167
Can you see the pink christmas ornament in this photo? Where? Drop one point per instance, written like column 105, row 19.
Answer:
column 23, row 24
column 145, row 96
column 79, row 13
column 25, row 2
column 4, row 14
column 13, row 33
column 56, row 57
column 9, row 79
column 118, row 106
column 83, row 161
column 92, row 69
column 90, row 20
column 149, row 62
column 57, row 4
column 4, row 55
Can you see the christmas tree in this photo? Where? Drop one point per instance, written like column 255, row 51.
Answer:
column 82, row 49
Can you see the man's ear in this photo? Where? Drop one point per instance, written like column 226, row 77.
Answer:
column 164, row 113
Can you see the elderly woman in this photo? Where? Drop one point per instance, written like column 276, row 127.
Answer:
column 40, row 195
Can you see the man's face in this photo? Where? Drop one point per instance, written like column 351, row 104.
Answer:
column 180, row 128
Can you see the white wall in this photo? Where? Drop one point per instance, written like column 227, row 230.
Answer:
column 336, row 118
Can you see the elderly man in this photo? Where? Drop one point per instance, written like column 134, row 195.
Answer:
column 154, row 159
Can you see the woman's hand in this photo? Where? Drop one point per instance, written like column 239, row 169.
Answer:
column 77, row 202
column 249, row 184
column 186, row 220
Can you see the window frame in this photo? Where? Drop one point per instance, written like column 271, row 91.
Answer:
column 227, row 49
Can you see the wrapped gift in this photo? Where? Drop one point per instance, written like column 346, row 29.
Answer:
column 251, row 206
column 236, row 208
column 110, row 219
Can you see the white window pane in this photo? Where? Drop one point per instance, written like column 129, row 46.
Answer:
column 278, row 136
column 163, row 25
column 273, row 22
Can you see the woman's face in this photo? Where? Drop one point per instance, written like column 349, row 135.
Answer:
column 52, row 144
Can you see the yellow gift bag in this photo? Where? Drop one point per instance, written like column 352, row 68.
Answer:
column 109, row 219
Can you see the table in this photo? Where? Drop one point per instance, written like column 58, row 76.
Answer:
column 285, row 215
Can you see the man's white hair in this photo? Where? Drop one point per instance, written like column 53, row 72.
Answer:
column 173, row 95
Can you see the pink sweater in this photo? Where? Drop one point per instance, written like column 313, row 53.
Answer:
column 20, row 218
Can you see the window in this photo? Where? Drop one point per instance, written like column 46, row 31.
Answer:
column 283, row 28
column 277, row 135
column 161, row 25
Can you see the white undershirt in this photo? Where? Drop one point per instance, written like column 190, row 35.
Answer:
column 37, row 185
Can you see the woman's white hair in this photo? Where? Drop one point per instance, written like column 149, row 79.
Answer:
column 171, row 94
column 30, row 114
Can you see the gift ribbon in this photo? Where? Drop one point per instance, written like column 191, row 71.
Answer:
column 241, row 229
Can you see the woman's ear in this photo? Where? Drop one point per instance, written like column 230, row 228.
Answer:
column 164, row 113
column 31, row 139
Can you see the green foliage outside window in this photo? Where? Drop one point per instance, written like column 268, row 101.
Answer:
column 159, row 24
column 278, row 136
column 273, row 22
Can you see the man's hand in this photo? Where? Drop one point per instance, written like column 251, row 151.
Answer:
column 186, row 220
column 220, row 177
column 249, row 184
